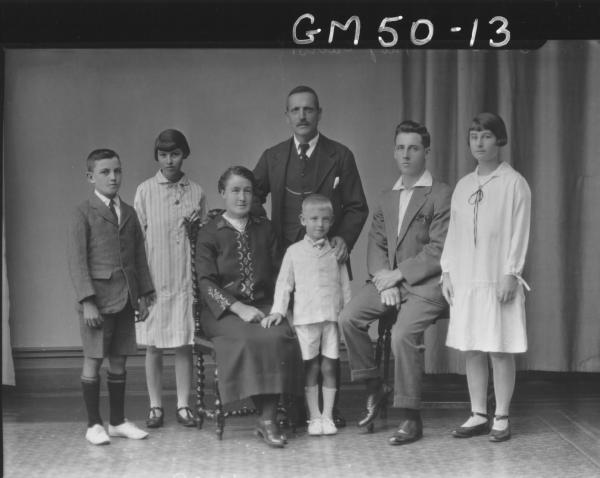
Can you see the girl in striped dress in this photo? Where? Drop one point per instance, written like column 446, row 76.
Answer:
column 162, row 202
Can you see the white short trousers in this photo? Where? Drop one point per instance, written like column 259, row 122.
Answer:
column 323, row 336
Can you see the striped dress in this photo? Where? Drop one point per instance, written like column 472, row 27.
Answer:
column 161, row 207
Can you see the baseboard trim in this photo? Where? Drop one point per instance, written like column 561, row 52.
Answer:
column 64, row 357
column 68, row 357
column 26, row 353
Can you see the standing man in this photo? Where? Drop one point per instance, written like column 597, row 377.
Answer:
column 310, row 163
column 403, row 260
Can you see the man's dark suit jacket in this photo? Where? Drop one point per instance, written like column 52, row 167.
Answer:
column 107, row 261
column 334, row 160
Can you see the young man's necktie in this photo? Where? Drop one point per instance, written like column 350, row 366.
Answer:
column 111, row 206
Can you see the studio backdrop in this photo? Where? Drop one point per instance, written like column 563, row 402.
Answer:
column 61, row 104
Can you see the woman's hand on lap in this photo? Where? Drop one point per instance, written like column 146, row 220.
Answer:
column 246, row 312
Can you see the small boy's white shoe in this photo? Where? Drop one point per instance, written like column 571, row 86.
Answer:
column 315, row 427
column 96, row 435
column 127, row 430
column 328, row 426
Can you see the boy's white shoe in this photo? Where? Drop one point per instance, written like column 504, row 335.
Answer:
column 315, row 427
column 328, row 427
column 127, row 430
column 96, row 435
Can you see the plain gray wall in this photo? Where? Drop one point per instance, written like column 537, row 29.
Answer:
column 61, row 104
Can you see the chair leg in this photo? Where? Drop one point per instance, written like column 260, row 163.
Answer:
column 378, row 356
column 219, row 415
column 378, row 350
column 283, row 410
column 200, row 381
column 387, row 347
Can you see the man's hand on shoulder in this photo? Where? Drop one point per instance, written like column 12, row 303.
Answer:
column 384, row 279
column 340, row 248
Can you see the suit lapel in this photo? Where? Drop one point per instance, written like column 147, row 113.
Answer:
column 126, row 213
column 279, row 171
column 417, row 200
column 390, row 216
column 324, row 156
column 102, row 209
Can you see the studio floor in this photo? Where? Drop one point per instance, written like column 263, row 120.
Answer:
column 555, row 420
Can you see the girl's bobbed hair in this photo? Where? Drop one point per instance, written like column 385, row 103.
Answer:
column 492, row 122
column 170, row 140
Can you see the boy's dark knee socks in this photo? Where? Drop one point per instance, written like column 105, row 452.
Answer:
column 116, row 397
column 91, row 398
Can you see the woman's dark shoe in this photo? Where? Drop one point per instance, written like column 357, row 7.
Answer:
column 468, row 432
column 155, row 417
column 187, row 419
column 500, row 435
column 268, row 431
column 374, row 404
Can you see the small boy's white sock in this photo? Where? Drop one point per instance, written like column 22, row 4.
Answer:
column 312, row 401
column 328, row 400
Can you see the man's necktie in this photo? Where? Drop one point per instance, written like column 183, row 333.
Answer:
column 303, row 157
column 303, row 149
column 111, row 206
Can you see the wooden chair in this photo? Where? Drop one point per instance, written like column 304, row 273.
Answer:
column 203, row 346
column 383, row 348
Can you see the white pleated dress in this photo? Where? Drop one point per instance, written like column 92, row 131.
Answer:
column 500, row 224
column 161, row 207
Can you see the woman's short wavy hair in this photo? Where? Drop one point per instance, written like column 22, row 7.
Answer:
column 236, row 171
column 492, row 122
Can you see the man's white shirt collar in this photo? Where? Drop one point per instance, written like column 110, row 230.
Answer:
column 426, row 180
column 106, row 200
column 311, row 144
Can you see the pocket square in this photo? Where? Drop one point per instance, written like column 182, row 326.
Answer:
column 336, row 181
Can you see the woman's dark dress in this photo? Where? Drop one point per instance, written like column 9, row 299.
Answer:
column 234, row 266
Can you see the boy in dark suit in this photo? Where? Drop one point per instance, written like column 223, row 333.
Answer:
column 108, row 267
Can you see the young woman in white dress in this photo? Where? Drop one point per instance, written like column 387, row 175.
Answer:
column 162, row 203
column 482, row 262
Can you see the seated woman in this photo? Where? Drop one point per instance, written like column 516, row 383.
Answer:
column 237, row 263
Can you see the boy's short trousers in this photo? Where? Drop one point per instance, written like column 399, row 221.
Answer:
column 323, row 336
column 115, row 337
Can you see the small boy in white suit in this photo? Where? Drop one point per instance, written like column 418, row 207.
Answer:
column 321, row 288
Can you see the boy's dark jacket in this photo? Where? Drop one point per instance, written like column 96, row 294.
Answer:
column 106, row 260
